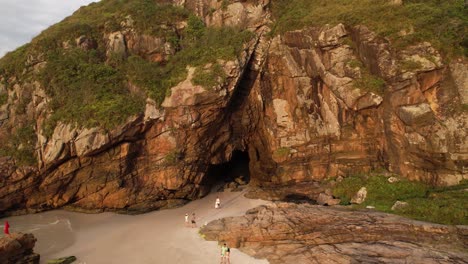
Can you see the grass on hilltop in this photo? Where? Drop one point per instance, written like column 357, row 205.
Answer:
column 444, row 23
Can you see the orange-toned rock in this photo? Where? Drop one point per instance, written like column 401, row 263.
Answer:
column 291, row 233
column 298, row 103
column 18, row 248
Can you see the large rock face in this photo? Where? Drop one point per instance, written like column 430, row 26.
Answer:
column 306, row 105
column 18, row 249
column 291, row 233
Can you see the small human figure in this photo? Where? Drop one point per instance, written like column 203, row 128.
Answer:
column 224, row 250
column 228, row 255
column 186, row 220
column 194, row 223
column 217, row 203
column 6, row 228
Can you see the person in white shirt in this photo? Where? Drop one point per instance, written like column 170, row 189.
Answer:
column 217, row 203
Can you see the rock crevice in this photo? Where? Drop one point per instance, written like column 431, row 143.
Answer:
column 306, row 105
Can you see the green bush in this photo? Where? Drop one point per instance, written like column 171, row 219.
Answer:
column 283, row 151
column 13, row 63
column 369, row 82
column 443, row 23
column 87, row 91
column 3, row 98
column 224, row 4
column 464, row 107
column 210, row 77
column 446, row 205
column 21, row 145
column 346, row 189
column 354, row 63
column 152, row 77
column 410, row 65
column 171, row 157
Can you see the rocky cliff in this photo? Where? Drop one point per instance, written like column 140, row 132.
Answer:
column 305, row 105
column 18, row 249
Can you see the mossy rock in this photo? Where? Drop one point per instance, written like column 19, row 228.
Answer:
column 65, row 260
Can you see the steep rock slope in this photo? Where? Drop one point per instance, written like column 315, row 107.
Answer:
column 305, row 105
column 337, row 101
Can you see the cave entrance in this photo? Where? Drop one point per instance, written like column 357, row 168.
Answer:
column 232, row 175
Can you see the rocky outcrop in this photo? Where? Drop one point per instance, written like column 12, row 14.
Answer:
column 291, row 233
column 18, row 249
column 322, row 119
column 153, row 160
column 305, row 106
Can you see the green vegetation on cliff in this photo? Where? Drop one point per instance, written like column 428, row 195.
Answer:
column 444, row 23
column 86, row 90
column 145, row 16
column 21, row 145
column 3, row 98
column 89, row 87
column 445, row 205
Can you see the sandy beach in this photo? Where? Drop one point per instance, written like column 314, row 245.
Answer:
column 156, row 237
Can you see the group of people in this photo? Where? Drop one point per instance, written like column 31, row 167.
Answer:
column 193, row 222
column 225, row 254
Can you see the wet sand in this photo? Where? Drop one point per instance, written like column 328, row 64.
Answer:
column 156, row 237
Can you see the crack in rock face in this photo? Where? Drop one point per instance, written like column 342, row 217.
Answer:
column 334, row 235
column 302, row 107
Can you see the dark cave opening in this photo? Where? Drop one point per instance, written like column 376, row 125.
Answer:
column 229, row 175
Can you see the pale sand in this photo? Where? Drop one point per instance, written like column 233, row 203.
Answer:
column 156, row 237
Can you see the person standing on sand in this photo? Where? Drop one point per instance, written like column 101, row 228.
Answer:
column 217, row 203
column 6, row 229
column 224, row 250
column 194, row 223
column 228, row 255
column 186, row 220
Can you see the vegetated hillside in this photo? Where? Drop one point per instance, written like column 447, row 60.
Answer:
column 443, row 23
column 84, row 69
column 91, row 85
column 127, row 105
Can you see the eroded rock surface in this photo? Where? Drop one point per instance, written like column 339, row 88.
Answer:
column 297, row 103
column 18, row 249
column 291, row 233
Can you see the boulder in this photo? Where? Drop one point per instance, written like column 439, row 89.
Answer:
column 116, row 45
column 360, row 196
column 18, row 248
column 392, row 179
column 419, row 114
column 399, row 205
column 326, row 199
